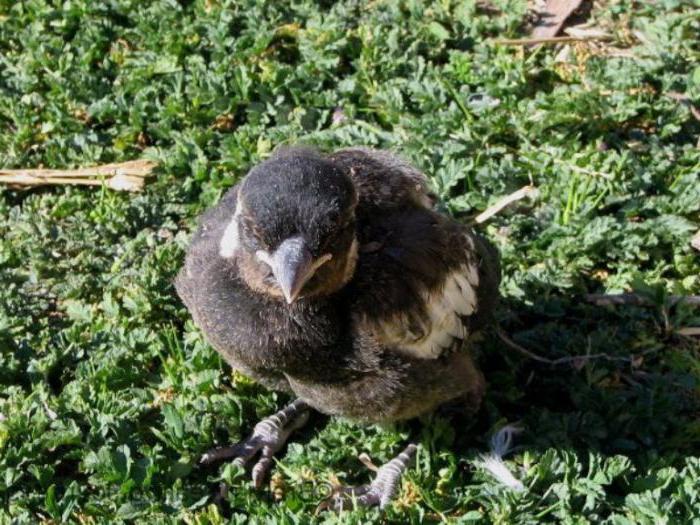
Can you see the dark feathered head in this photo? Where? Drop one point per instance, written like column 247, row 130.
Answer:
column 293, row 233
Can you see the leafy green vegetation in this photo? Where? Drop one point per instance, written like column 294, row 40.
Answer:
column 109, row 393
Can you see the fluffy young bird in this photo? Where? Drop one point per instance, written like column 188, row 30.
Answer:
column 333, row 278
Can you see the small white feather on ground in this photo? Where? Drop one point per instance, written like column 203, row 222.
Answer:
column 501, row 444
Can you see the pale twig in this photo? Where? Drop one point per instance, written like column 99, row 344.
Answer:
column 515, row 346
column 548, row 40
column 638, row 300
column 128, row 176
column 586, row 31
column 576, row 359
column 367, row 462
column 138, row 168
column 689, row 331
column 525, row 191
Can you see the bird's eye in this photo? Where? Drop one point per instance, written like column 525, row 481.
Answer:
column 246, row 229
column 267, row 274
column 333, row 217
column 337, row 233
column 346, row 224
column 253, row 242
column 251, row 236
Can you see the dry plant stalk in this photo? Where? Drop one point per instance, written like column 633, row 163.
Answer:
column 689, row 331
column 549, row 40
column 576, row 360
column 121, row 176
column 525, row 191
column 607, row 300
column 637, row 300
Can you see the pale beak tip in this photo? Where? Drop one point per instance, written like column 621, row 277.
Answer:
column 289, row 296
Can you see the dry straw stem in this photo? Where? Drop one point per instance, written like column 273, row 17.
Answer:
column 636, row 299
column 500, row 204
column 607, row 300
column 548, row 40
column 575, row 360
column 122, row 176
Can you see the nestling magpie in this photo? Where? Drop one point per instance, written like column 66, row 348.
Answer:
column 333, row 278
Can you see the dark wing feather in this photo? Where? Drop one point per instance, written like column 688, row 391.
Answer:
column 424, row 282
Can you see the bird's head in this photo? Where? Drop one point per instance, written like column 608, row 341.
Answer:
column 293, row 233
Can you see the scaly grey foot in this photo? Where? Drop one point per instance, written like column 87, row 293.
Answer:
column 380, row 491
column 268, row 437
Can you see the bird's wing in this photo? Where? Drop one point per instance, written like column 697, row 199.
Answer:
column 424, row 282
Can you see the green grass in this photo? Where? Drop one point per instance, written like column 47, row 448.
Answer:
column 107, row 390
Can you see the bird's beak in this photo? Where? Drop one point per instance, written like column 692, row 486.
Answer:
column 293, row 265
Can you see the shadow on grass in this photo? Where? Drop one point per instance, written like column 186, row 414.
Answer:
column 642, row 404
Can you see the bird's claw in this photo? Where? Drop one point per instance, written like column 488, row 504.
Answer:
column 378, row 493
column 267, row 438
column 370, row 495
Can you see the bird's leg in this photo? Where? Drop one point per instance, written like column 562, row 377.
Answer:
column 268, row 437
column 380, row 491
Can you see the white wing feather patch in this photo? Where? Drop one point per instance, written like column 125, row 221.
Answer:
column 229, row 240
column 446, row 307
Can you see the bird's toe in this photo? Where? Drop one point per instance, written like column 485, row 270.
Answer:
column 240, row 451
column 379, row 493
column 267, row 438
